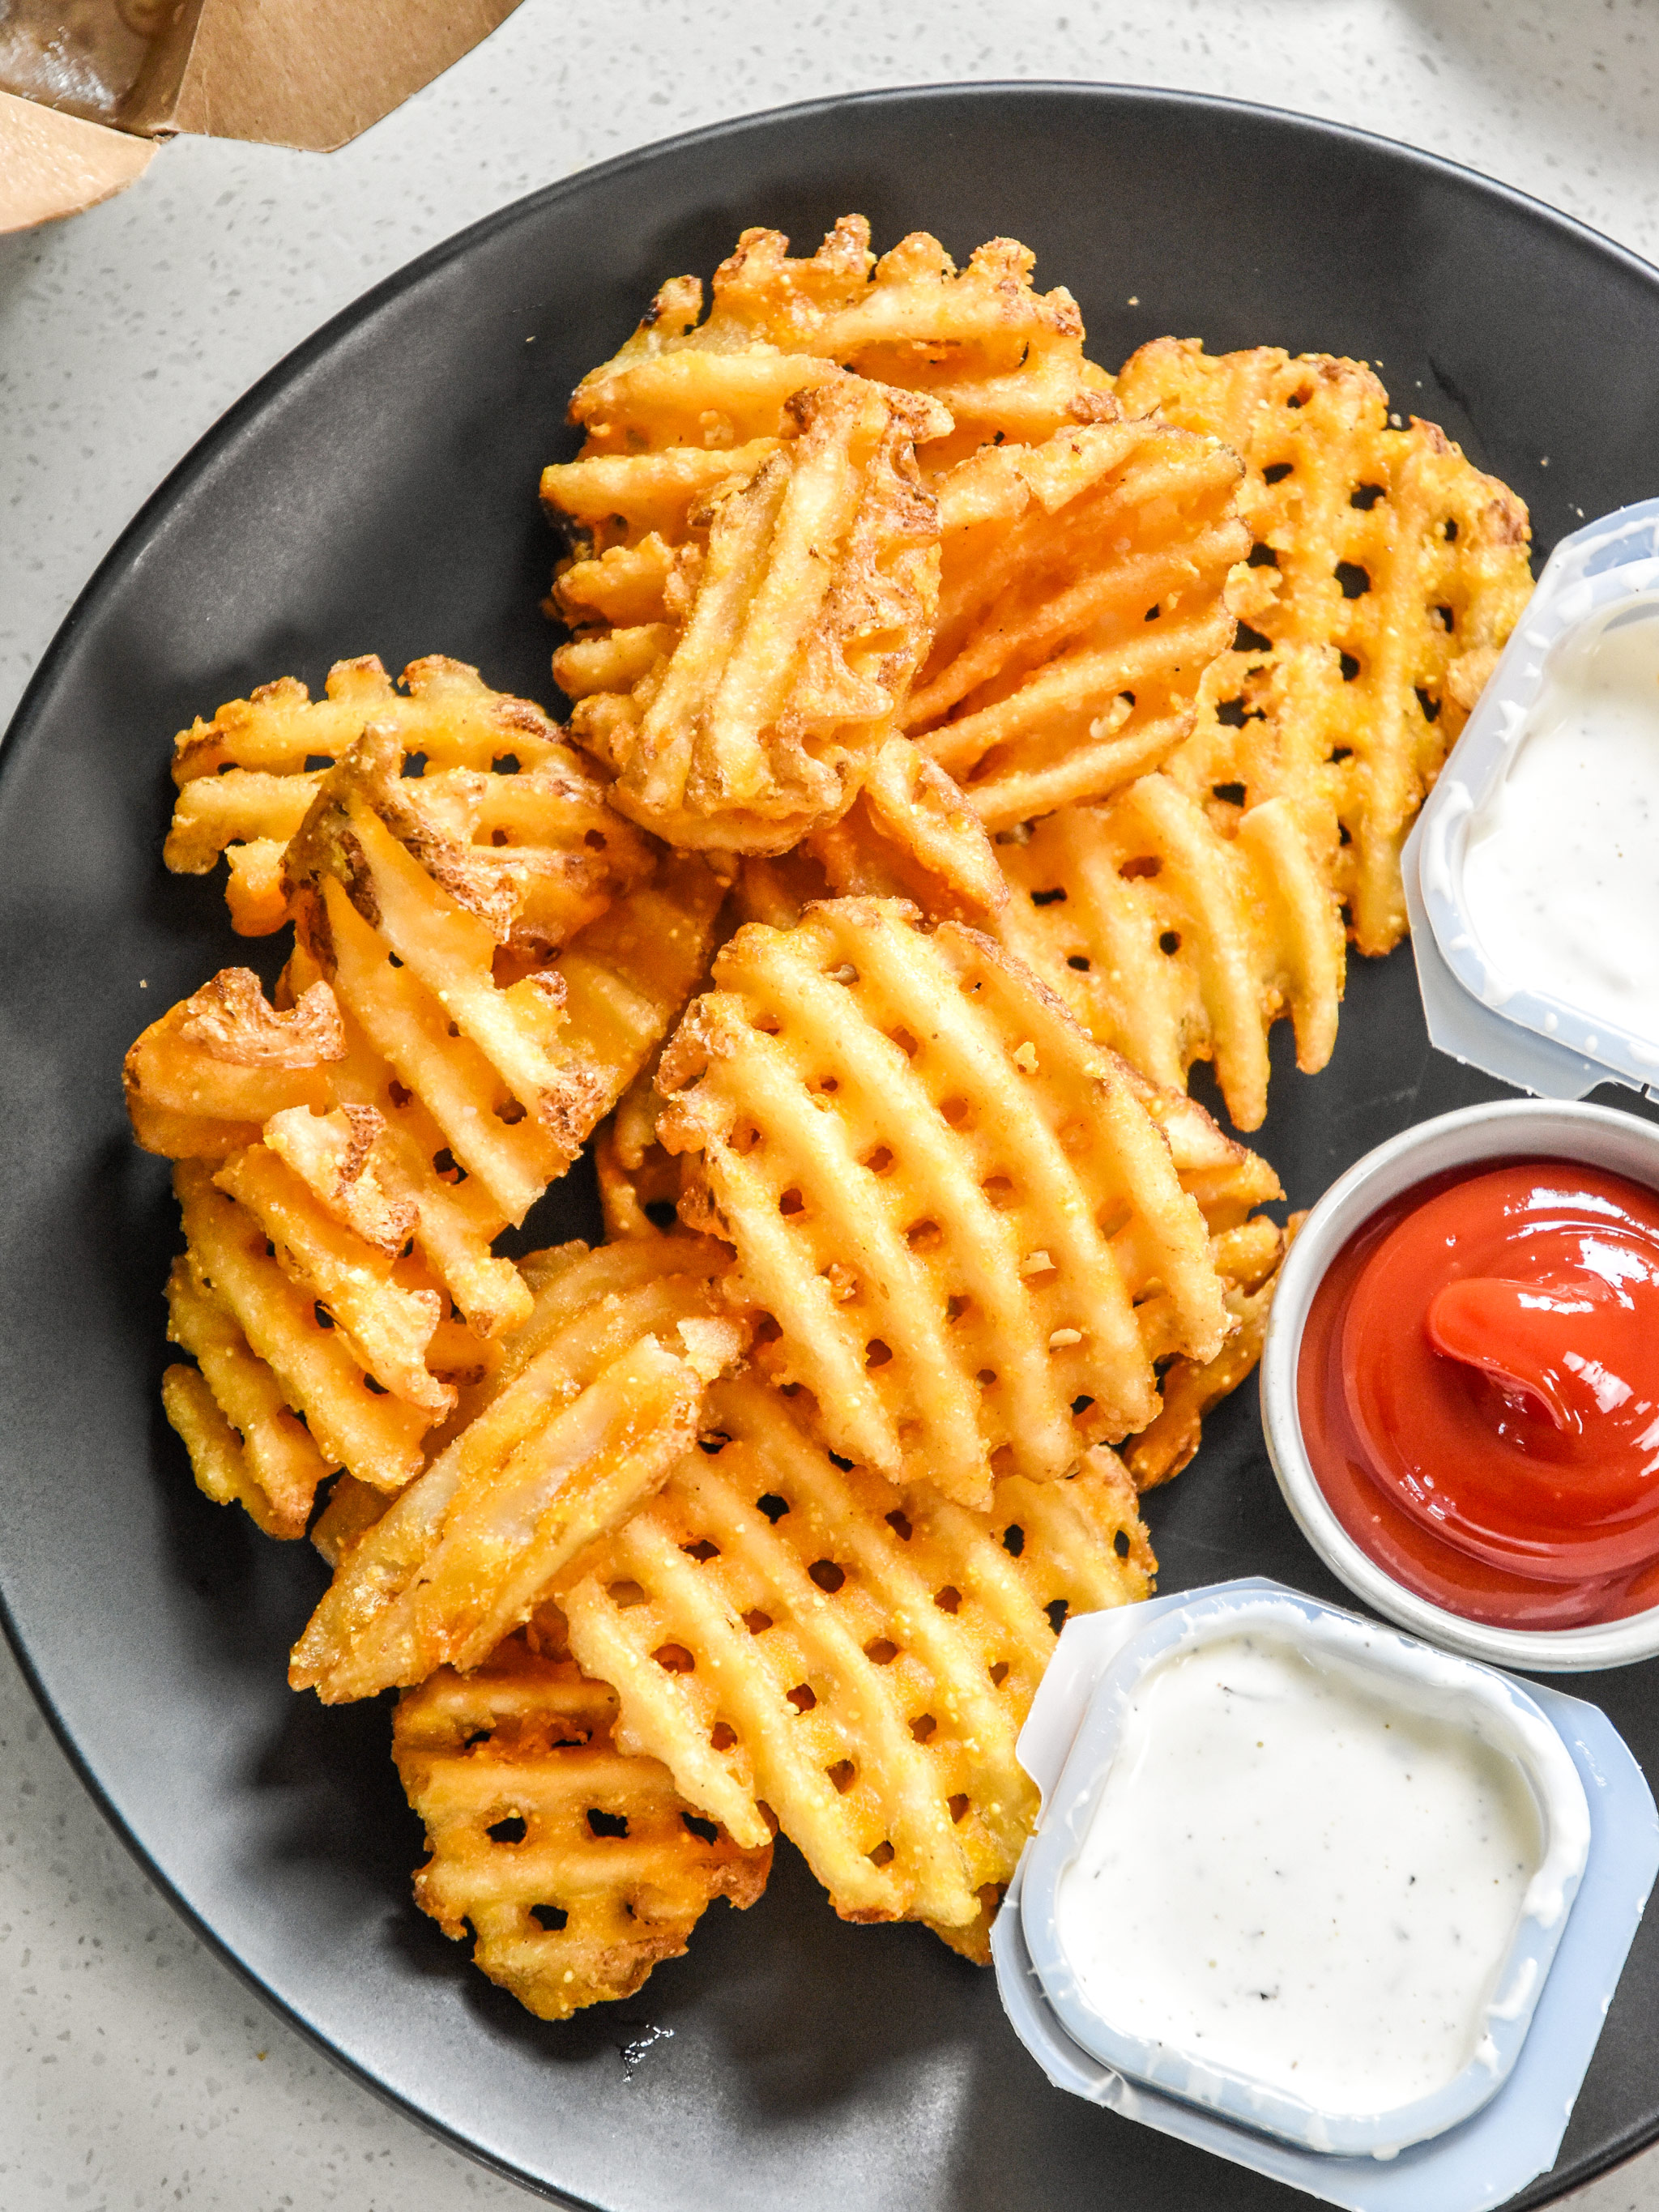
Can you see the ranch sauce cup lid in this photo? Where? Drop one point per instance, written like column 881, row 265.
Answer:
column 1528, row 879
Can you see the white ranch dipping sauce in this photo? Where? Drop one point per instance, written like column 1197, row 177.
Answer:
column 1560, row 883
column 1291, row 1879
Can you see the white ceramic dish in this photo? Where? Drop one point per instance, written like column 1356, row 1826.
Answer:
column 1412, row 1679
column 1606, row 573
column 1596, row 1136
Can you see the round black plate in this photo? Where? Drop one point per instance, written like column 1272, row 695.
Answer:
column 378, row 493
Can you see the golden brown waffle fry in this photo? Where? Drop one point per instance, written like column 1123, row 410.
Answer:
column 1250, row 1258
column 385, row 1312
column 1083, row 594
column 1172, row 942
column 379, row 1160
column 909, row 833
column 218, row 1461
column 245, row 1444
column 202, row 1081
column 594, row 1399
column 951, row 1205
column 493, row 801
column 803, row 617
column 362, row 1186
column 786, row 1632
column 351, row 1420
column 639, row 1181
column 352, row 1509
column 1224, row 1178
column 1391, row 574
column 1004, row 360
column 576, row 1866
column 514, row 1065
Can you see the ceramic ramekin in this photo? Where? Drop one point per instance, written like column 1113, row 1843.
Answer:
column 1522, row 1128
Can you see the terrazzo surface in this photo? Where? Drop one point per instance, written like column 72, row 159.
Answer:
column 135, row 2072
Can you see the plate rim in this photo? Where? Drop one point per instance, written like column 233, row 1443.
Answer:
column 293, row 365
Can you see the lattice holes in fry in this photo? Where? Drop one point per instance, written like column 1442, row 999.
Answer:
column 493, row 800
column 353, row 1420
column 515, row 1061
column 576, row 1865
column 786, row 1632
column 595, row 1398
column 951, row 1206
column 1172, row 942
column 1388, row 573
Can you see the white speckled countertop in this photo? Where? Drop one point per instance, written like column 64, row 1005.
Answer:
column 135, row 2071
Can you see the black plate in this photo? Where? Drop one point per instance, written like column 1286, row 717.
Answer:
column 378, row 492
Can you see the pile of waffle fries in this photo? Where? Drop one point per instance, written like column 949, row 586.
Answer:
column 965, row 743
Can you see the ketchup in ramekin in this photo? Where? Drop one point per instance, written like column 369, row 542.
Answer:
column 1479, row 1392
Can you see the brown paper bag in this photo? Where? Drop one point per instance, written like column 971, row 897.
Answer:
column 88, row 87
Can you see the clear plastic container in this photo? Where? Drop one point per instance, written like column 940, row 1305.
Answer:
column 1472, row 2163
column 1484, row 1708
column 1476, row 1010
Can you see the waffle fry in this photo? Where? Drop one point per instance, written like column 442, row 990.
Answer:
column 327, row 1296
column 594, row 1399
column 908, row 835
column 352, row 1509
column 575, row 1865
column 1250, row 1258
column 639, row 1181
column 1006, row 360
column 1173, row 943
column 788, row 1632
column 352, row 1421
column 804, row 616
column 952, row 1207
column 245, row 1445
column 1083, row 594
column 380, row 1163
column 1224, row 1180
column 515, row 1074
column 1391, row 574
column 387, row 1319
column 201, row 1082
column 493, row 801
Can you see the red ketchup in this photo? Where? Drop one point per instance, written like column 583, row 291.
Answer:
column 1478, row 1387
